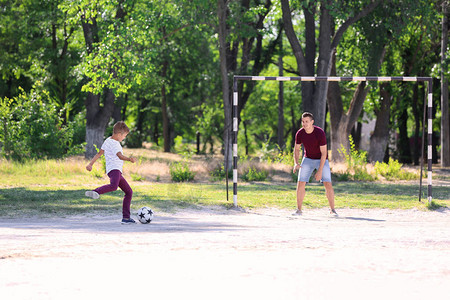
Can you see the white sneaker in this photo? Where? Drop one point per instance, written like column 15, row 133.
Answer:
column 333, row 213
column 298, row 212
column 92, row 194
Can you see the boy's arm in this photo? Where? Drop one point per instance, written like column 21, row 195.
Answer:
column 94, row 159
column 123, row 157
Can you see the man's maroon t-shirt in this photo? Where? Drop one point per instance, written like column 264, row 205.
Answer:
column 311, row 142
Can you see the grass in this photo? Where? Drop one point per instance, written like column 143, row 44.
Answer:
column 57, row 188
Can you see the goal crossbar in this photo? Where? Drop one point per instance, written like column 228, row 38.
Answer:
column 235, row 123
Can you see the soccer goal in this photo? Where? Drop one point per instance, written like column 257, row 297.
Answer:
column 331, row 78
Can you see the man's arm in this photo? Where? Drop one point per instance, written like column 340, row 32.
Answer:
column 323, row 158
column 296, row 157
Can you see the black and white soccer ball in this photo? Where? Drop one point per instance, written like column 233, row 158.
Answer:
column 145, row 215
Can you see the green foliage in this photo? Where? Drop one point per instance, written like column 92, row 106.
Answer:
column 136, row 177
column 99, row 172
column 139, row 46
column 134, row 139
column 209, row 122
column 254, row 175
column 181, row 147
column 96, row 173
column 31, row 128
column 356, row 162
column 434, row 205
column 294, row 176
column 393, row 171
column 219, row 173
column 179, row 172
column 343, row 176
column 281, row 157
column 266, row 151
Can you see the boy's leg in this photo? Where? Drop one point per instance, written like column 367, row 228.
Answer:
column 123, row 184
column 114, row 178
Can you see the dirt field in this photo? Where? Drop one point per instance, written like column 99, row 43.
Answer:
column 213, row 253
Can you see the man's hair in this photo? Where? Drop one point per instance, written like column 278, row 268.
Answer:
column 121, row 127
column 308, row 114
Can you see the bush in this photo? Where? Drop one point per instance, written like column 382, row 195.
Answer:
column 136, row 177
column 255, row 175
column 294, row 176
column 134, row 139
column 219, row 173
column 180, row 147
column 346, row 176
column 393, row 170
column 179, row 172
column 31, row 128
column 356, row 162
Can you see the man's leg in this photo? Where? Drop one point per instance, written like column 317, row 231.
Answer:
column 300, row 194
column 326, row 177
column 330, row 193
column 306, row 169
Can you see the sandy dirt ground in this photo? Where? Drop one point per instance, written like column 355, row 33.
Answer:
column 214, row 253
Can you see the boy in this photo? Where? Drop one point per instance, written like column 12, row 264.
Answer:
column 315, row 157
column 114, row 161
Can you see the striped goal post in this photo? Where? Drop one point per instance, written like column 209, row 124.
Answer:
column 332, row 78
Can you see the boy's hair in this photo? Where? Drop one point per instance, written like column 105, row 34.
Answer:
column 121, row 127
column 308, row 114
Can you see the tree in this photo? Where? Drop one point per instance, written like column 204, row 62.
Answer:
column 224, row 62
column 242, row 52
column 15, row 46
column 104, row 69
column 362, row 53
column 334, row 18
column 380, row 137
column 445, row 114
column 280, row 130
column 413, row 54
column 38, row 44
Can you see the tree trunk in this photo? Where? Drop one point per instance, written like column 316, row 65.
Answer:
column 222, row 17
column 404, row 150
column 356, row 134
column 294, row 126
column 343, row 122
column 380, row 137
column 143, row 103
column 96, row 120
column 445, row 118
column 155, row 131
column 280, row 133
column 340, row 131
column 247, row 146
column 416, row 145
column 97, row 117
column 165, row 115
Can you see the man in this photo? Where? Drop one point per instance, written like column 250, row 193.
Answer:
column 315, row 158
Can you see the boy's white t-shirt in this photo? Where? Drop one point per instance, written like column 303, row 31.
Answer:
column 111, row 148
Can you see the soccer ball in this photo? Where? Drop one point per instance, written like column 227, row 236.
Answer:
column 145, row 215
